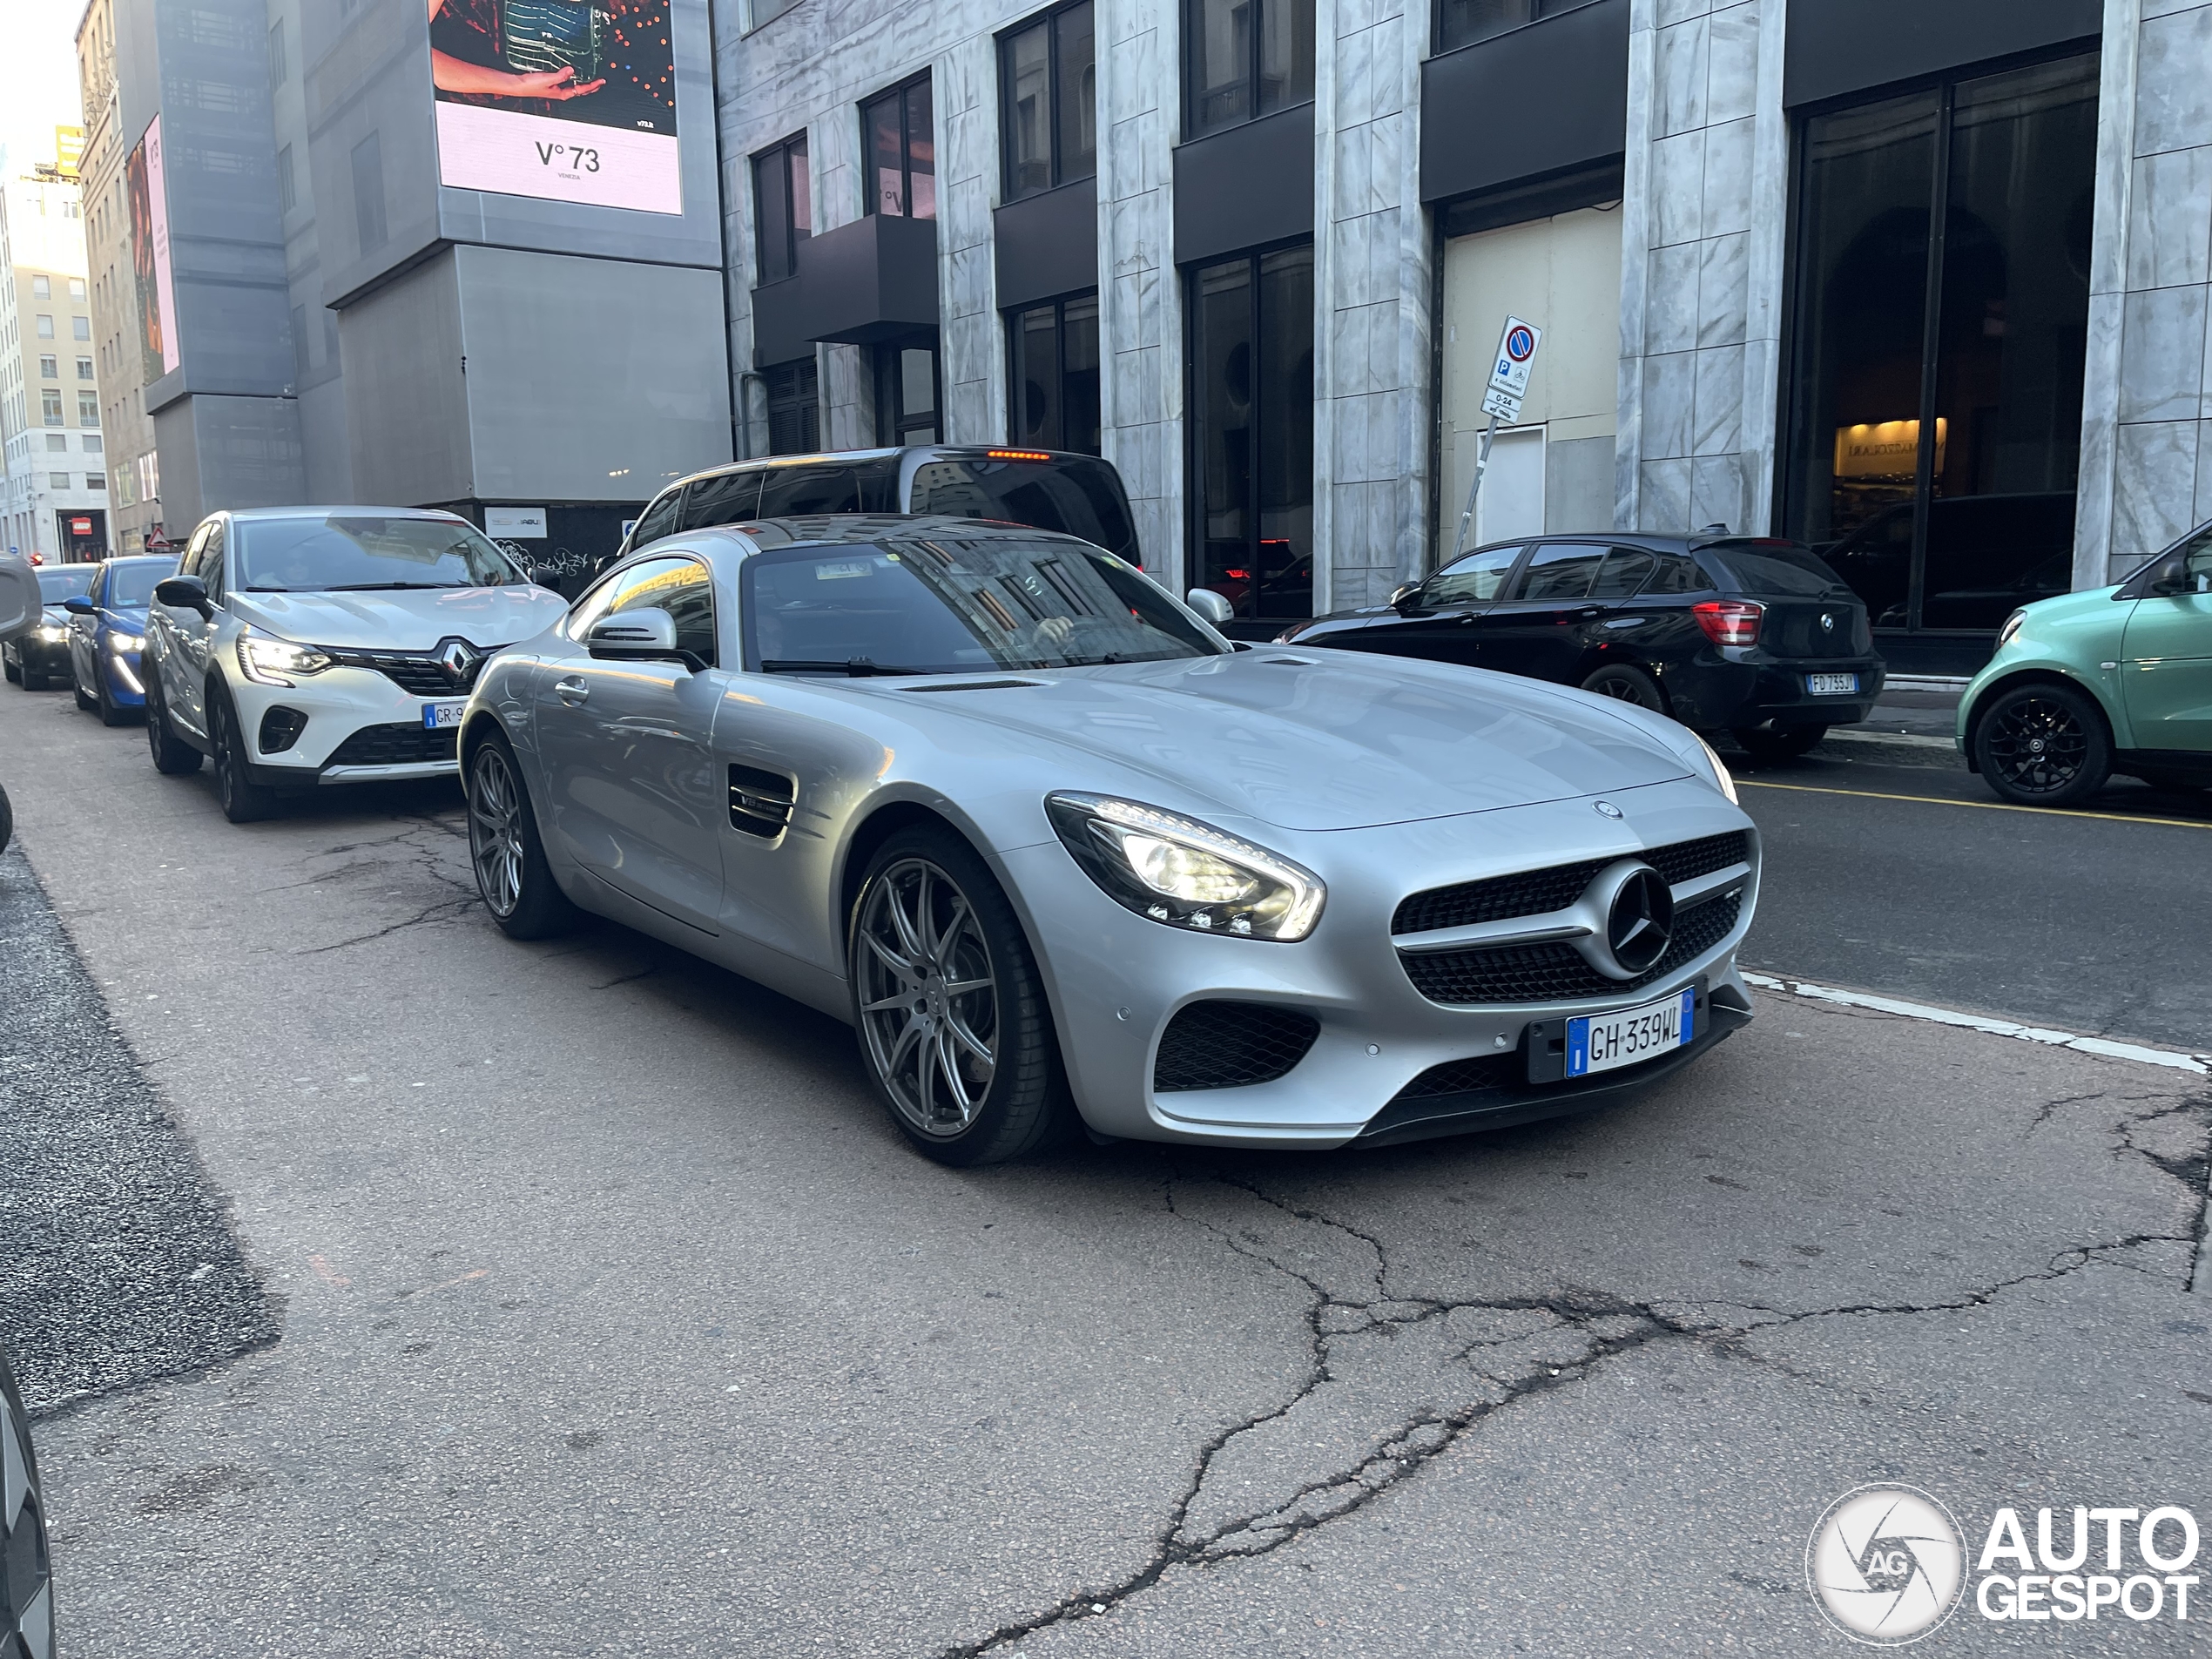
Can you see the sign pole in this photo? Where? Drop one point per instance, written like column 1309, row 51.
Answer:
column 1475, row 487
column 1508, row 386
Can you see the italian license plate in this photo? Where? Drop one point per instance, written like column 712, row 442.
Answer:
column 438, row 717
column 1832, row 684
column 1603, row 1041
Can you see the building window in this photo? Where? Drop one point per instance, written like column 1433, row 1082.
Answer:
column 45, row 327
column 77, row 289
column 42, row 286
column 80, row 328
column 905, row 393
column 49, row 368
column 1461, row 22
column 1935, row 392
column 901, row 151
column 1048, row 81
column 783, row 210
column 287, row 190
column 58, row 443
column 83, row 368
column 768, row 11
column 368, row 194
column 276, row 55
column 88, row 409
column 794, row 409
column 1251, row 375
column 51, row 402
column 1243, row 58
column 1053, row 350
column 58, row 479
column 91, row 442
column 96, row 481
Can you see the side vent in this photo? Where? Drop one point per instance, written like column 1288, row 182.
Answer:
column 760, row 802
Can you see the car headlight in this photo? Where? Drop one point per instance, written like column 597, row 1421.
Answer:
column 52, row 632
column 2012, row 626
column 126, row 642
column 268, row 660
column 1183, row 873
column 1722, row 778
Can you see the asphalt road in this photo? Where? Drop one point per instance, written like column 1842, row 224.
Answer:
column 614, row 1320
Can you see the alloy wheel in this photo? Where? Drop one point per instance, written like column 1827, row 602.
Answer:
column 2037, row 745
column 495, row 831
column 929, row 1001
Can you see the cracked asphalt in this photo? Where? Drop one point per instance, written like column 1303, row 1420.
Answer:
column 611, row 1318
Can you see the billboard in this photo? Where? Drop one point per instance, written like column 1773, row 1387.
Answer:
column 149, row 201
column 565, row 100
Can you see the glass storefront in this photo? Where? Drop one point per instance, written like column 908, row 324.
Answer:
column 1251, row 373
column 1935, row 408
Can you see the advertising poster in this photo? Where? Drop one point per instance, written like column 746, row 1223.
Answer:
column 150, row 254
column 565, row 100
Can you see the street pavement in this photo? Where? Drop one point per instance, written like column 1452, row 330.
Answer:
column 611, row 1317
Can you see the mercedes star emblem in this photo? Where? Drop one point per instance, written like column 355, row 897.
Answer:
column 1639, row 923
column 1609, row 809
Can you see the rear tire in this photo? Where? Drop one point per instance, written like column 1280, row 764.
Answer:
column 955, row 1032
column 1778, row 743
column 7, row 821
column 2043, row 744
column 1629, row 685
column 244, row 800
column 512, row 876
column 173, row 755
column 12, row 669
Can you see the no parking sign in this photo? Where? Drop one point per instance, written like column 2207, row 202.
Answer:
column 1516, row 356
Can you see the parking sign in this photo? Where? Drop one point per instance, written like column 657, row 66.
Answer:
column 1516, row 356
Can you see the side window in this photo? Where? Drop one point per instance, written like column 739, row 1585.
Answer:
column 1623, row 573
column 189, row 565
column 724, row 499
column 659, row 519
column 211, row 562
column 680, row 585
column 794, row 492
column 1560, row 570
column 1476, row 579
column 1677, row 573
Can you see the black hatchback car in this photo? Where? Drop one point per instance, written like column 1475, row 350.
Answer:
column 1748, row 635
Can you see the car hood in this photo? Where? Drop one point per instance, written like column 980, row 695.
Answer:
column 403, row 620
column 1319, row 740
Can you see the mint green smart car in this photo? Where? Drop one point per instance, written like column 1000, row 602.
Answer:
column 2115, row 679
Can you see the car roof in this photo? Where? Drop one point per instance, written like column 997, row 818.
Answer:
column 833, row 530
column 140, row 558
column 258, row 515
column 949, row 451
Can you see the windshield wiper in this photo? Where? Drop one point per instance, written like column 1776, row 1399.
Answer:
column 390, row 587
column 857, row 667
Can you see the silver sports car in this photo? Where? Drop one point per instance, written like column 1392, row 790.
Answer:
column 1066, row 857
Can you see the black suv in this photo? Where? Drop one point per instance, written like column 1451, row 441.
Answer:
column 1748, row 635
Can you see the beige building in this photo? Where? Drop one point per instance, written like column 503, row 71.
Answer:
column 55, row 494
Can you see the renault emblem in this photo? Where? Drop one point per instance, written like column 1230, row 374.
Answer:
column 459, row 658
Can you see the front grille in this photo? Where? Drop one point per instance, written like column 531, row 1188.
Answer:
column 419, row 673
column 395, row 746
column 1229, row 1045
column 1463, row 1077
column 1534, row 893
column 1556, row 972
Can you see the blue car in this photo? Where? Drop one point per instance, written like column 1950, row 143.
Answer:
column 107, row 629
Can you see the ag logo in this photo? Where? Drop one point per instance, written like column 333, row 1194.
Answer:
column 1887, row 1565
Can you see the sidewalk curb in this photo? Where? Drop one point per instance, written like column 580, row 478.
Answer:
column 2197, row 1064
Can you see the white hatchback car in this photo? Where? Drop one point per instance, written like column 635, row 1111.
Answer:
column 307, row 645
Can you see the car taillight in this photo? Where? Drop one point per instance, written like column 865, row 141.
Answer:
column 1730, row 622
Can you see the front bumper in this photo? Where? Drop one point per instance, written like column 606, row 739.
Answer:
column 355, row 726
column 1750, row 688
column 1117, row 980
column 49, row 657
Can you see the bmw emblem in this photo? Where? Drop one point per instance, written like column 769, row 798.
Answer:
column 1827, row 621
column 1609, row 809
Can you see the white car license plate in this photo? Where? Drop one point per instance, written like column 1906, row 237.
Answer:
column 1602, row 1042
column 1832, row 684
column 436, row 717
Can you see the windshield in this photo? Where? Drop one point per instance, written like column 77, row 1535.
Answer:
column 1771, row 566
column 60, row 582
column 131, row 586
column 951, row 606
column 357, row 553
column 1074, row 495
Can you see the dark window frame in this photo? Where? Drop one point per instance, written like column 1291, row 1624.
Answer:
column 1015, row 435
column 803, row 400
column 1057, row 166
column 790, row 157
column 893, row 422
column 1546, row 11
column 1193, row 126
column 901, row 91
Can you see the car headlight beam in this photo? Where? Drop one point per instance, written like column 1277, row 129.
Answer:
column 121, row 642
column 1181, row 873
column 267, row 660
column 1723, row 779
column 2012, row 626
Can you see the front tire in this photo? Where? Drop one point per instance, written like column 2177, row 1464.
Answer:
column 2043, row 745
column 173, row 755
column 84, row 701
column 244, row 800
column 1630, row 684
column 955, row 1032
column 1778, row 743
column 111, row 712
column 512, row 875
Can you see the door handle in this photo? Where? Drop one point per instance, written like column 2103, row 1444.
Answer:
column 571, row 690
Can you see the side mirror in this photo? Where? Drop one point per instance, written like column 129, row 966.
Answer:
column 1406, row 596
column 184, row 593
column 78, row 605
column 645, row 636
column 546, row 576
column 1212, row 606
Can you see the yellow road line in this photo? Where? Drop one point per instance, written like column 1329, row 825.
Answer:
column 1984, row 805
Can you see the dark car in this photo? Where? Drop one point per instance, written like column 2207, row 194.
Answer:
column 1748, row 635
column 107, row 631
column 43, row 653
column 1047, row 489
column 26, row 1597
